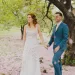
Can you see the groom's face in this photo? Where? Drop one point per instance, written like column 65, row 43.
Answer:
column 58, row 18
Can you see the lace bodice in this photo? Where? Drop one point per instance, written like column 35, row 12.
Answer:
column 31, row 37
column 31, row 34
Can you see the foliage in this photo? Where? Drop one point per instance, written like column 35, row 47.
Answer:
column 14, row 13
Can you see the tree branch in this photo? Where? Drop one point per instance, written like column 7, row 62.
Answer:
column 46, row 15
column 68, row 4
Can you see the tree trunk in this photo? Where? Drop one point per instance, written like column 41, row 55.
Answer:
column 22, row 30
column 69, row 57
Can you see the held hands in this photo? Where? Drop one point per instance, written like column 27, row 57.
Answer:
column 46, row 46
column 56, row 49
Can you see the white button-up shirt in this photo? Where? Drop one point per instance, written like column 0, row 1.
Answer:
column 58, row 25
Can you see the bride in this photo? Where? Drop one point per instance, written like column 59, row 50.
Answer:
column 30, row 58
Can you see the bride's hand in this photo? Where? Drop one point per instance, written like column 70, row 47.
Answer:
column 45, row 45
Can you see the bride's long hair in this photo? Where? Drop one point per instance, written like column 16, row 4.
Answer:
column 34, row 19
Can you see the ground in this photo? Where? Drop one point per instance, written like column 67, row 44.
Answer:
column 11, row 48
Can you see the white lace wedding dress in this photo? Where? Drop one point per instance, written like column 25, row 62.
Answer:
column 30, row 59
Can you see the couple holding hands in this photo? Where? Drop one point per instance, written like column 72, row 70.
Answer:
column 59, row 37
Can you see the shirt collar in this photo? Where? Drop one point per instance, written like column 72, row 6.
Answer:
column 59, row 23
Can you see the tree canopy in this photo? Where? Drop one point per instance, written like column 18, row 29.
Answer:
column 14, row 13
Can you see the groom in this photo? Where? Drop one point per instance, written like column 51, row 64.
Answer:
column 59, row 39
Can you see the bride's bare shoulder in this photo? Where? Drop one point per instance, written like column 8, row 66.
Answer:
column 38, row 26
column 26, row 26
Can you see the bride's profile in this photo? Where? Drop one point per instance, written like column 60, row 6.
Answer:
column 30, row 58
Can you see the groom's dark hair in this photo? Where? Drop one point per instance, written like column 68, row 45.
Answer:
column 59, row 13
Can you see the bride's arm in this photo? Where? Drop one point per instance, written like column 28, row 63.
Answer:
column 24, row 34
column 40, row 34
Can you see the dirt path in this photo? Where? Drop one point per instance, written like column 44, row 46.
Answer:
column 11, row 49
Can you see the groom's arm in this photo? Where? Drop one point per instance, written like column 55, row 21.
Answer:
column 51, row 39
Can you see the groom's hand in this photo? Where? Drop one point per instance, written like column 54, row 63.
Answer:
column 47, row 46
column 57, row 48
